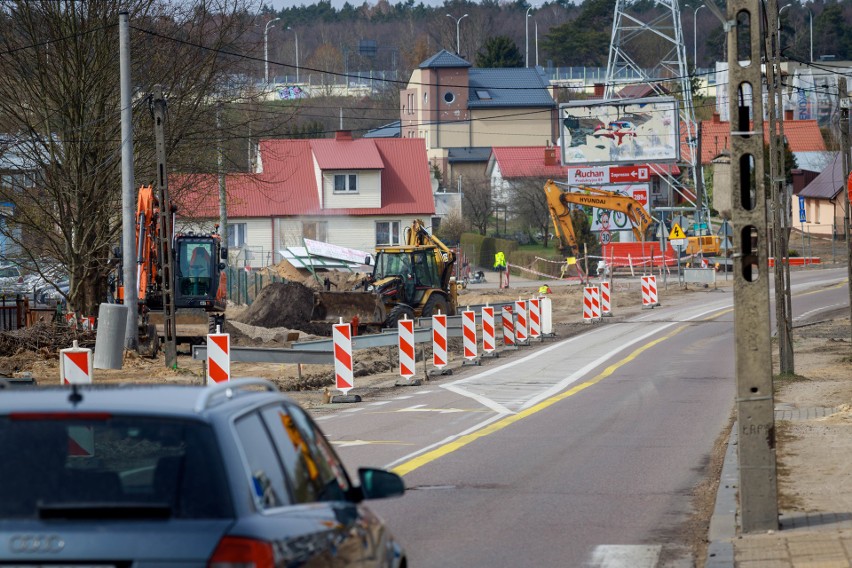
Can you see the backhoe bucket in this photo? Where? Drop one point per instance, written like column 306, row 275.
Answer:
column 331, row 306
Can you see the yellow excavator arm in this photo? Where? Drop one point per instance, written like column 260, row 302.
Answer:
column 559, row 202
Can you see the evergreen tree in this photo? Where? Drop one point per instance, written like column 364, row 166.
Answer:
column 499, row 51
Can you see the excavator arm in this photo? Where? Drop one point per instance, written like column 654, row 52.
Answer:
column 559, row 202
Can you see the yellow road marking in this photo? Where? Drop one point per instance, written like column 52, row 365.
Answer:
column 421, row 460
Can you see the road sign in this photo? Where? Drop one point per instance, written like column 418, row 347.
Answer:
column 629, row 174
column 588, row 175
column 802, row 214
column 676, row 233
column 678, row 244
column 606, row 237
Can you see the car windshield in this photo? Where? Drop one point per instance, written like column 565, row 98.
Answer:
column 93, row 465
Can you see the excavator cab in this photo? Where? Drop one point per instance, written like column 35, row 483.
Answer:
column 197, row 271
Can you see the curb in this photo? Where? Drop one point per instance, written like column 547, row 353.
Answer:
column 723, row 522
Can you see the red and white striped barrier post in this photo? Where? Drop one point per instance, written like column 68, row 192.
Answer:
column 218, row 358
column 439, row 344
column 344, row 379
column 508, row 320
column 547, row 317
column 606, row 310
column 469, row 337
column 521, row 323
column 489, row 344
column 535, row 318
column 75, row 365
column 405, row 330
column 649, row 292
column 591, row 304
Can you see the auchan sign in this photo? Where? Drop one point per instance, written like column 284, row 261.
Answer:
column 598, row 175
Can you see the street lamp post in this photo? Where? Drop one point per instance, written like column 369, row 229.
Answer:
column 266, row 49
column 779, row 29
column 811, row 13
column 458, row 36
column 527, row 29
column 695, row 36
column 297, row 52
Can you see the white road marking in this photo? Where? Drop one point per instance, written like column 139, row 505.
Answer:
column 379, row 403
column 625, row 556
column 819, row 309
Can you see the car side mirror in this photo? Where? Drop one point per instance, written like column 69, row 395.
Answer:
column 368, row 261
column 380, row 484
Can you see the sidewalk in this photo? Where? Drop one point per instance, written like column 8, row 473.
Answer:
column 815, row 540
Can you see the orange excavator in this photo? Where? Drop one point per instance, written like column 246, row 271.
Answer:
column 198, row 283
column 559, row 202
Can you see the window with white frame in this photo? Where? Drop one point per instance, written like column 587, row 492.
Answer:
column 236, row 235
column 387, row 233
column 345, row 183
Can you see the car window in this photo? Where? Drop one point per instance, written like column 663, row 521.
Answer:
column 108, row 461
column 267, row 477
column 318, row 464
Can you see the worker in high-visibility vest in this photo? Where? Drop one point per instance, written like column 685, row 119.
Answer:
column 500, row 266
column 544, row 289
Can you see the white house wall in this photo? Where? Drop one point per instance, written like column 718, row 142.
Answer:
column 369, row 192
column 357, row 232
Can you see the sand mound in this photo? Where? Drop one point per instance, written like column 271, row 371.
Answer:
column 280, row 304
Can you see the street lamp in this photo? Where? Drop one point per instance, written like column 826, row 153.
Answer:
column 527, row 29
column 812, row 33
column 779, row 29
column 458, row 37
column 695, row 36
column 266, row 49
column 297, row 52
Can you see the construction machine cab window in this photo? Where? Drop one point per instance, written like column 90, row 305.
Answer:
column 195, row 267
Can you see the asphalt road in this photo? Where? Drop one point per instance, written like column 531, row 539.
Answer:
column 581, row 452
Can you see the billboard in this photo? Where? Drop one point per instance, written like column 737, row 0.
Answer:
column 620, row 131
column 607, row 220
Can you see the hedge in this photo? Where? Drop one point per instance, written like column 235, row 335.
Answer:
column 480, row 250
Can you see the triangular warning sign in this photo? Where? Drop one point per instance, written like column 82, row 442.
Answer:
column 677, row 233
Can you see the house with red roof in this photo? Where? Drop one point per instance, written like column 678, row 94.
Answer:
column 352, row 193
column 803, row 137
column 823, row 199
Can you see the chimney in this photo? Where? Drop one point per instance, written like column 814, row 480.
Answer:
column 788, row 114
column 716, row 118
column 550, row 156
column 343, row 135
column 599, row 90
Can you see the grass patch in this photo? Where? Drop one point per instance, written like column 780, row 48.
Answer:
column 782, row 379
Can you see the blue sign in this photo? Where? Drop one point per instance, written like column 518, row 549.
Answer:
column 802, row 217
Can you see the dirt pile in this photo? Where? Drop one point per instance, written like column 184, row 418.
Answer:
column 280, row 304
column 284, row 304
column 339, row 280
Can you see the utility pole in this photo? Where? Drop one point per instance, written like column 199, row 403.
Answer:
column 167, row 263
column 844, row 143
column 777, row 201
column 128, row 191
column 220, row 163
column 758, row 481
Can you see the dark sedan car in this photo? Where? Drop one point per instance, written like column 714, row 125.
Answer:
column 230, row 475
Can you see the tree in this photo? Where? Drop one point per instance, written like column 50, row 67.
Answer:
column 499, row 51
column 59, row 99
column 585, row 40
column 476, row 203
column 530, row 204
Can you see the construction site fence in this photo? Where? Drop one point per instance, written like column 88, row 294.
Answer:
column 244, row 285
column 17, row 312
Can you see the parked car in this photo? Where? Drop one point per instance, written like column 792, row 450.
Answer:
column 11, row 280
column 49, row 285
column 235, row 474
